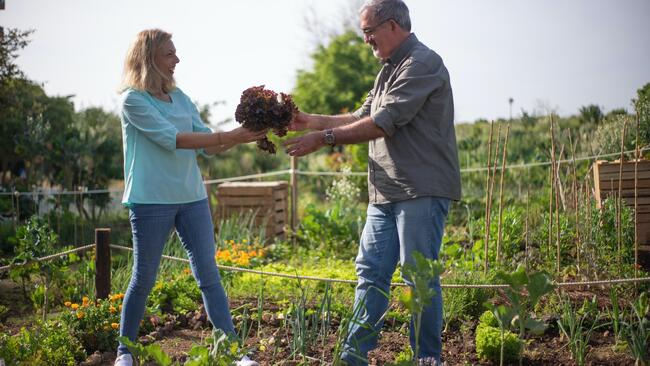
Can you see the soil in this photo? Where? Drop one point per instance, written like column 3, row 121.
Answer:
column 458, row 344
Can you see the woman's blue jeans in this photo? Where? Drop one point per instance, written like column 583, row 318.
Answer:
column 151, row 225
column 393, row 231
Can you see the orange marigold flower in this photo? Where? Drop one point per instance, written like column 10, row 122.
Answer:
column 112, row 309
column 74, row 306
column 115, row 325
column 187, row 271
column 80, row 314
column 67, row 304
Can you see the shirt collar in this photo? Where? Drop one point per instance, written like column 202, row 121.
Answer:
column 402, row 50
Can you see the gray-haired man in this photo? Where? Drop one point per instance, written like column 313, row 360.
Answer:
column 413, row 172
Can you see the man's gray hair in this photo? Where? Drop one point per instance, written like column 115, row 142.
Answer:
column 383, row 10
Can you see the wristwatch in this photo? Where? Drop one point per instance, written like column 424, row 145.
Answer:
column 329, row 137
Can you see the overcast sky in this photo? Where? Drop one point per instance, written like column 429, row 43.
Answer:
column 554, row 54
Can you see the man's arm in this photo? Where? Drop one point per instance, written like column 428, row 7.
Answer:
column 320, row 122
column 360, row 131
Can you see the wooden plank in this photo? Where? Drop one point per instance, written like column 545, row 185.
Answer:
column 599, row 197
column 641, row 201
column 628, row 166
column 245, row 201
column 641, row 174
column 643, row 218
column 608, row 185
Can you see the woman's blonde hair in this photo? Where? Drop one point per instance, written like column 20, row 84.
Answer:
column 140, row 71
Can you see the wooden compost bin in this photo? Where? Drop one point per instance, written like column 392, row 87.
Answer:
column 265, row 201
column 607, row 178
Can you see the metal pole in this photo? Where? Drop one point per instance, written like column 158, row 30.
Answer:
column 102, row 263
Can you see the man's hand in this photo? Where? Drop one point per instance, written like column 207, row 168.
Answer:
column 305, row 144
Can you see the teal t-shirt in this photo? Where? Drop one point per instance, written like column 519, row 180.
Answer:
column 155, row 171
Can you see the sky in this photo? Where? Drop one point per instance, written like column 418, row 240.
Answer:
column 545, row 54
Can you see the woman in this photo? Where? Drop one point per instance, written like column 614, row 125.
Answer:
column 161, row 132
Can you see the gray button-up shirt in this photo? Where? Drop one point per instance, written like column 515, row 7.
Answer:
column 412, row 102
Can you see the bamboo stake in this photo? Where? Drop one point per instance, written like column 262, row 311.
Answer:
column 636, row 203
column 526, row 229
column 487, row 195
column 503, row 170
column 493, row 178
column 619, row 229
column 575, row 201
column 554, row 185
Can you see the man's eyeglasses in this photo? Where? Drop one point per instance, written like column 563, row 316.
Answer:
column 370, row 31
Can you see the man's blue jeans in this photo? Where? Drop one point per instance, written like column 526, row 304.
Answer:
column 151, row 225
column 393, row 231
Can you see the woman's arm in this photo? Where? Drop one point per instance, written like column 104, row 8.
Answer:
column 216, row 140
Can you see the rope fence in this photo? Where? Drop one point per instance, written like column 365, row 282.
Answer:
column 318, row 173
column 104, row 238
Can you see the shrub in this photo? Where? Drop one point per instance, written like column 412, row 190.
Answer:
column 50, row 343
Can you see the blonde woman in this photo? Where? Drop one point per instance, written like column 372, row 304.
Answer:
column 162, row 133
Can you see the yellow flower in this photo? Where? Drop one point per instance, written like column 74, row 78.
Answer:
column 67, row 304
column 85, row 299
column 244, row 241
column 115, row 325
column 74, row 306
column 80, row 315
column 262, row 348
column 112, row 309
column 187, row 271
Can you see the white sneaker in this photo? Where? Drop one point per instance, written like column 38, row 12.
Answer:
column 245, row 361
column 124, row 360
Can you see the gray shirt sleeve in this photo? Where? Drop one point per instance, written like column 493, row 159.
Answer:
column 406, row 96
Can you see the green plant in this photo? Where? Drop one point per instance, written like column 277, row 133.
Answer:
column 47, row 343
column 35, row 240
column 421, row 274
column 636, row 331
column 494, row 343
column 95, row 323
column 150, row 352
column 523, row 293
column 572, row 325
column 179, row 294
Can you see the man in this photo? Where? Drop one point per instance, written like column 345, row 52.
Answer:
column 413, row 170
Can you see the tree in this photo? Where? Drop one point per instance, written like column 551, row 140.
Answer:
column 591, row 114
column 642, row 106
column 343, row 73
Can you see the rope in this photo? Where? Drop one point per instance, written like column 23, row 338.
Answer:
column 450, row 285
column 325, row 279
column 47, row 258
column 317, row 173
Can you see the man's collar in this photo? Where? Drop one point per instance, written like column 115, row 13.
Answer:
column 402, row 50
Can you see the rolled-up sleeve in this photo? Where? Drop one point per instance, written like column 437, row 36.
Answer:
column 146, row 119
column 407, row 95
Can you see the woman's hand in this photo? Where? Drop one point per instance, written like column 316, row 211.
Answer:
column 241, row 135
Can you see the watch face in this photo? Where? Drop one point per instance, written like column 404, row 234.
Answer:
column 329, row 137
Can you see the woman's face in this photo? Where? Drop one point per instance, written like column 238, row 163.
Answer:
column 166, row 59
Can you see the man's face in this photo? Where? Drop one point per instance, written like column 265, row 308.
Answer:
column 377, row 33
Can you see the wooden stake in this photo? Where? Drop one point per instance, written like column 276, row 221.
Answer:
column 575, row 201
column 503, row 170
column 487, row 200
column 619, row 229
column 637, row 154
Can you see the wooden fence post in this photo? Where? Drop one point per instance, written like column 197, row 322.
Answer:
column 294, row 193
column 102, row 263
